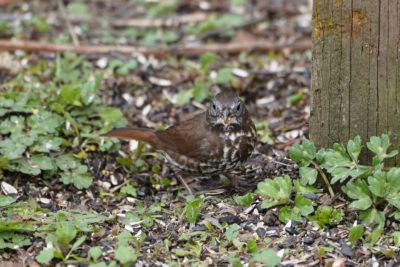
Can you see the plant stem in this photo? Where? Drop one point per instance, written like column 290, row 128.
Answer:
column 326, row 181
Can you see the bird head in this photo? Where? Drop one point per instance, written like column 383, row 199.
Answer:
column 227, row 112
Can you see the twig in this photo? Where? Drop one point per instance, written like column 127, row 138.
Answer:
column 164, row 22
column 180, row 50
column 326, row 181
column 67, row 21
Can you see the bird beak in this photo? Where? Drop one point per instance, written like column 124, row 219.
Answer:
column 227, row 118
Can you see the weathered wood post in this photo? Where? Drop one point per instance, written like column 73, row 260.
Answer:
column 355, row 70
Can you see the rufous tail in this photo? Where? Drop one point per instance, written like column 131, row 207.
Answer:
column 140, row 134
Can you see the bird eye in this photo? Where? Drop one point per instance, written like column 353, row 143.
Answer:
column 239, row 108
column 214, row 107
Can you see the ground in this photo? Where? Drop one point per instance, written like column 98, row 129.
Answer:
column 71, row 196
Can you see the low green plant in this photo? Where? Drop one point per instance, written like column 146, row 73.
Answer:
column 374, row 189
column 224, row 23
column 278, row 192
column 63, row 231
column 193, row 208
column 51, row 116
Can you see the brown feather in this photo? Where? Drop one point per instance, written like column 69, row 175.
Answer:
column 139, row 134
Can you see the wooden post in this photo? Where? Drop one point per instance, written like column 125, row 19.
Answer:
column 355, row 71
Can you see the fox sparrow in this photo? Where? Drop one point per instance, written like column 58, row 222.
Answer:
column 212, row 142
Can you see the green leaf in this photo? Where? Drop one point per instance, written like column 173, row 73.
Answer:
column 288, row 213
column 395, row 215
column 308, row 175
column 355, row 233
column 358, row 189
column 305, row 205
column 13, row 124
column 296, row 98
column 44, row 122
column 302, row 189
column 375, row 145
column 183, row 97
column 65, row 232
column 354, row 148
column 231, row 234
column 244, row 200
column 4, row 163
column 377, row 184
column 11, row 149
column 67, row 162
column 45, row 256
column 113, row 116
column 42, row 162
column 339, row 164
column 201, row 91
column 89, row 89
column 78, row 9
column 325, row 216
column 78, row 243
column 71, row 95
column 396, row 238
column 372, row 216
column 124, row 238
column 372, row 238
column 190, row 235
column 235, row 262
column 95, row 253
column 224, row 76
column 127, row 67
column 77, row 178
column 303, row 153
column 102, row 264
column 46, row 144
column 193, row 208
column 12, row 240
column 8, row 225
column 276, row 191
column 82, row 221
column 41, row 25
column 267, row 257
column 251, row 246
column 125, row 254
column 148, row 221
column 393, row 177
column 129, row 190
column 207, row 59
column 6, row 200
column 380, row 145
column 26, row 167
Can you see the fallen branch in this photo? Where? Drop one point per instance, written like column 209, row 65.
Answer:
column 164, row 22
column 180, row 50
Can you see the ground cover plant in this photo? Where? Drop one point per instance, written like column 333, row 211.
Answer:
column 72, row 197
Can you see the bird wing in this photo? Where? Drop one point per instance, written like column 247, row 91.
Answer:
column 189, row 138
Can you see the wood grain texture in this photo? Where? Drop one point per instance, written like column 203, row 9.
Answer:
column 355, row 71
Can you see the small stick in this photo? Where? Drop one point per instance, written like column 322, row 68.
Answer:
column 180, row 50
column 183, row 182
column 165, row 22
column 67, row 21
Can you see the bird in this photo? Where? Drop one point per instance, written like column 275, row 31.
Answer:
column 213, row 142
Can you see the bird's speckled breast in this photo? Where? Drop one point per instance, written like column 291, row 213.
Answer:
column 234, row 148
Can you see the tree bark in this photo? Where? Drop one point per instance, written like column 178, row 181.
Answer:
column 355, row 71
